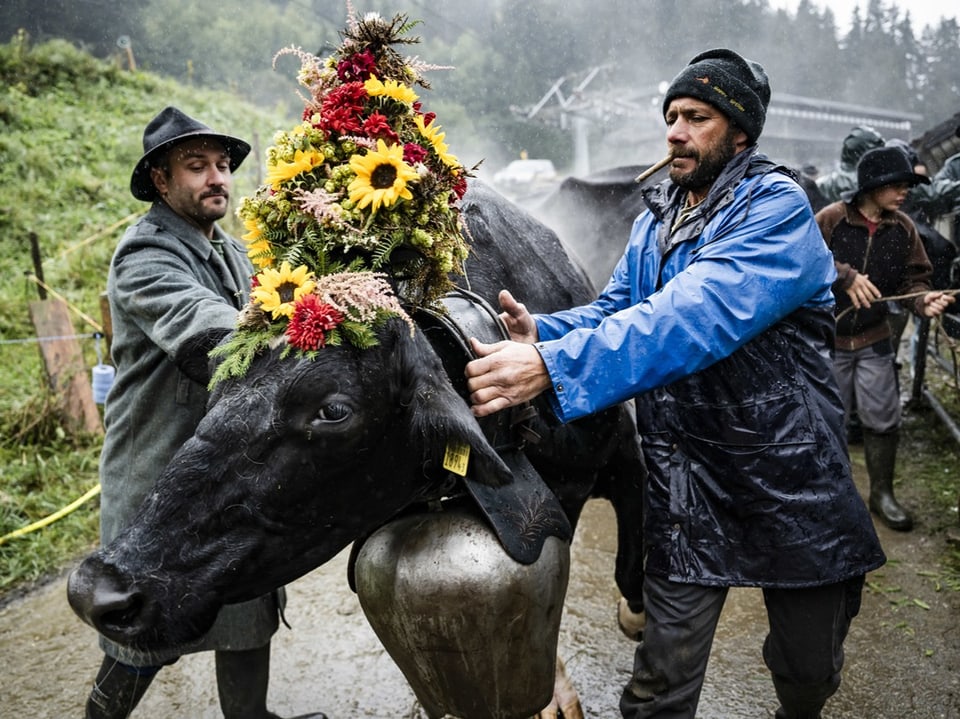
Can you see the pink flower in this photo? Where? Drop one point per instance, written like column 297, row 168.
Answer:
column 312, row 319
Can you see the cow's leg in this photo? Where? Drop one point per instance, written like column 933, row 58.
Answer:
column 565, row 702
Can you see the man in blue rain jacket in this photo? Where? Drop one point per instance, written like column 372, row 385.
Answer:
column 718, row 322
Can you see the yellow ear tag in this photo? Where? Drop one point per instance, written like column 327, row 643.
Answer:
column 456, row 457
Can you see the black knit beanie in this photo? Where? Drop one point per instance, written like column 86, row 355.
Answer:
column 737, row 87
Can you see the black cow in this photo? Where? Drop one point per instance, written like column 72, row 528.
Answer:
column 300, row 457
column 593, row 214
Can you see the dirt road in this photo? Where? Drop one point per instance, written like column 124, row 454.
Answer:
column 903, row 654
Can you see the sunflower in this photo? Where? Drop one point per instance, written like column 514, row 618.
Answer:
column 391, row 88
column 433, row 135
column 382, row 177
column 276, row 291
column 302, row 162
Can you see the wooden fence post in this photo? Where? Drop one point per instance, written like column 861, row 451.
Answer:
column 63, row 361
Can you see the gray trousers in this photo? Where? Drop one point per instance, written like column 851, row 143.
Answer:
column 803, row 650
column 868, row 383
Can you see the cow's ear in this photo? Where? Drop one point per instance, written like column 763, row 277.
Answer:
column 440, row 420
column 453, row 438
column 513, row 498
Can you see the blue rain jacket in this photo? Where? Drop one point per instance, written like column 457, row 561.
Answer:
column 722, row 332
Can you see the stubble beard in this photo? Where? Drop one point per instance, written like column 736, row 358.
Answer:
column 212, row 212
column 709, row 164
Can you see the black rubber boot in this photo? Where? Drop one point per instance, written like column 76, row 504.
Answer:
column 803, row 701
column 117, row 689
column 880, row 453
column 242, row 679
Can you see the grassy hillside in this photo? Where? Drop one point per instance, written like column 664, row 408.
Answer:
column 70, row 134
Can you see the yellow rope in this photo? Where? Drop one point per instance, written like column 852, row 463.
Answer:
column 59, row 514
column 105, row 231
column 86, row 318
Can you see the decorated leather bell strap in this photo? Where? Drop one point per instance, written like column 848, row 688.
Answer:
column 463, row 314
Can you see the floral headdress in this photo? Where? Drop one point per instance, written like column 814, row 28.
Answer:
column 360, row 211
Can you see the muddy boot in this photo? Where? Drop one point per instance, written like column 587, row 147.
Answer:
column 880, row 453
column 117, row 689
column 242, row 679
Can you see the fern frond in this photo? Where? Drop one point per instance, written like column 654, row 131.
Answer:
column 237, row 354
column 358, row 334
column 382, row 254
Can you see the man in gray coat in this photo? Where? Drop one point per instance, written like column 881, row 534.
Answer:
column 176, row 284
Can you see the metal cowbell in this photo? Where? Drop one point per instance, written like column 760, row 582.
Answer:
column 473, row 631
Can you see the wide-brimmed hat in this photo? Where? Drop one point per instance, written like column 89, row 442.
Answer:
column 886, row 166
column 171, row 127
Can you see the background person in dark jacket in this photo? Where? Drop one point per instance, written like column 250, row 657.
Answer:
column 843, row 178
column 176, row 284
column 925, row 203
column 718, row 322
column 878, row 253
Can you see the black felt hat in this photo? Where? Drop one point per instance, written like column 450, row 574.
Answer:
column 886, row 166
column 738, row 87
column 171, row 127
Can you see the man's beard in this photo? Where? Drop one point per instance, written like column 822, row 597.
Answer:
column 210, row 213
column 709, row 164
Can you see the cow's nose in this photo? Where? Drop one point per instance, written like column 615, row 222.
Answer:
column 107, row 602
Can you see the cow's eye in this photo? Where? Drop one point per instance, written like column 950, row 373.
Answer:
column 334, row 412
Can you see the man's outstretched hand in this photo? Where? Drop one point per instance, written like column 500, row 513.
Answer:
column 518, row 321
column 506, row 374
column 511, row 372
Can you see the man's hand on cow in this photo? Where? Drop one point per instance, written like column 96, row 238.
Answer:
column 934, row 303
column 505, row 375
column 518, row 321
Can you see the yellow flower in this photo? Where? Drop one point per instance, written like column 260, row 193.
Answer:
column 302, row 162
column 433, row 135
column 278, row 290
column 382, row 177
column 257, row 245
column 253, row 230
column 390, row 88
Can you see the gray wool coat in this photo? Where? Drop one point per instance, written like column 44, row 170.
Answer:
column 169, row 292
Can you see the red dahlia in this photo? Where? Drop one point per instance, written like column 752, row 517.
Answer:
column 312, row 319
